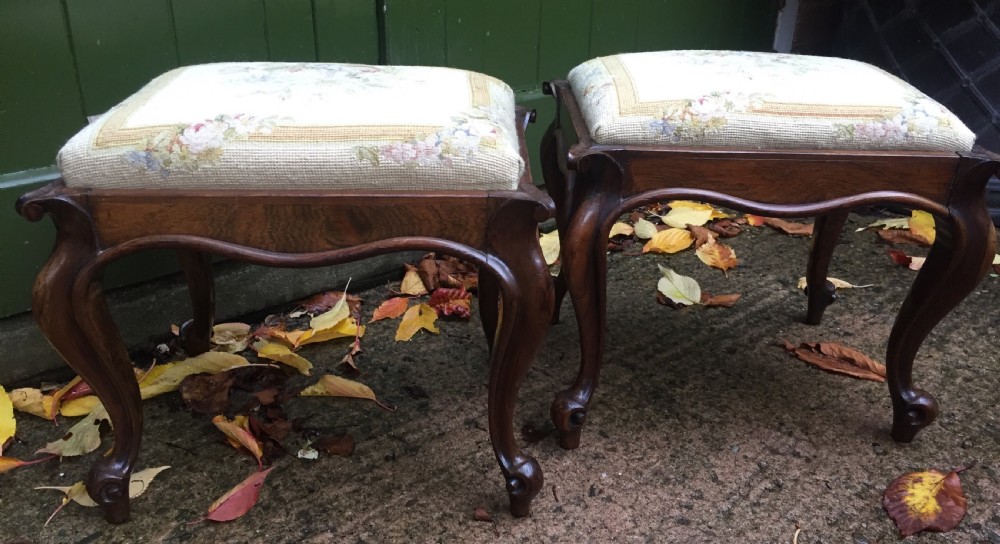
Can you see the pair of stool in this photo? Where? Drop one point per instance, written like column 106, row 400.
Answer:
column 312, row 164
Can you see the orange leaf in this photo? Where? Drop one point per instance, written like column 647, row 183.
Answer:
column 446, row 301
column 788, row 227
column 238, row 434
column 839, row 359
column 391, row 309
column 670, row 240
column 900, row 236
column 754, row 220
column 417, row 317
column 238, row 500
column 8, row 464
column 925, row 501
column 723, row 301
column 717, row 255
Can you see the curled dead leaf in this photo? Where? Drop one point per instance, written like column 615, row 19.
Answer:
column 702, row 235
column 925, row 501
column 838, row 359
column 726, row 228
column 788, row 227
column 717, row 255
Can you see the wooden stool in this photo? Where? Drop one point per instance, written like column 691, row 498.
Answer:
column 772, row 134
column 295, row 165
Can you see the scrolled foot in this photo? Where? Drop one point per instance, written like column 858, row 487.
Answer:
column 524, row 481
column 568, row 415
column 912, row 414
column 108, row 485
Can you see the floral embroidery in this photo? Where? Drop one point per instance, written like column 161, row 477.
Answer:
column 917, row 118
column 702, row 116
column 302, row 80
column 188, row 147
column 462, row 140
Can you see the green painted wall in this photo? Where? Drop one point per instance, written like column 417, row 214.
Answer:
column 63, row 60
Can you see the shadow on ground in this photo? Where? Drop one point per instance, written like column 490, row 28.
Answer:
column 702, row 430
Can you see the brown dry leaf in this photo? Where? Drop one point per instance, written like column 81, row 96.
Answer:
column 789, row 227
column 670, row 240
column 455, row 302
column 322, row 302
column 412, row 284
column 447, row 272
column 717, row 255
column 898, row 236
column 925, row 501
column 349, row 358
column 417, row 317
column 726, row 228
column 621, row 229
column 723, row 301
column 922, row 225
column 335, row 386
column 238, row 500
column 839, row 359
column 391, row 309
column 280, row 352
column 342, row 445
column 238, row 434
column 207, row 393
column 702, row 235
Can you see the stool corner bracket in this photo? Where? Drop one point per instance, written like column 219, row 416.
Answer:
column 33, row 205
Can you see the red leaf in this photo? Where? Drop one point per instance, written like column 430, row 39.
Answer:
column 238, row 500
column 925, row 501
column 451, row 302
column 391, row 309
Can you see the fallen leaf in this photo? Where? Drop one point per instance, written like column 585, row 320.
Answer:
column 138, row 483
column 839, row 284
column 550, row 246
column 349, row 358
column 240, row 499
column 621, row 229
column 717, row 255
column 840, row 359
column 329, row 319
column 726, row 228
column 788, row 227
column 168, row 377
column 902, row 259
column 31, row 401
column 308, row 452
column 417, row 317
column 58, row 395
column 897, row 236
column 412, row 284
column 895, row 223
column 916, row 263
column 669, row 241
column 293, row 338
column 754, row 220
column 82, row 438
column 447, row 272
column 280, row 352
column 335, row 386
column 346, row 328
column 644, row 230
column 79, row 407
column 455, row 302
column 922, row 226
column 482, row 514
column 722, row 301
column 342, row 445
column 925, row 501
column 390, row 309
column 8, row 425
column 231, row 337
column 324, row 301
column 679, row 289
column 8, row 464
column 239, row 435
column 207, row 393
column 693, row 205
column 702, row 235
column 681, row 217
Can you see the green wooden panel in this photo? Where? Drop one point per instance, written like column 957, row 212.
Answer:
column 545, row 107
column 220, row 30
column 466, row 28
column 510, row 51
column 290, row 30
column 759, row 18
column 119, row 46
column 40, row 103
column 347, row 31
column 564, row 37
column 25, row 246
column 415, row 32
column 613, row 27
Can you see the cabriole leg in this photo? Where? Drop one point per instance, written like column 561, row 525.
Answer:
column 196, row 333
column 820, row 291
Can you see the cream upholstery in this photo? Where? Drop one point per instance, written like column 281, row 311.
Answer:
column 304, row 125
column 751, row 100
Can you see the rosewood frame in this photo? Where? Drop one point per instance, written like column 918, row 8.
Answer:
column 594, row 184
column 496, row 230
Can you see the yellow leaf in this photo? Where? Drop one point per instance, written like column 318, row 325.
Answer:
column 717, row 255
column 292, row 338
column 621, row 228
column 335, row 386
column 669, row 241
column 32, row 401
column 345, row 328
column 333, row 317
column 82, row 438
column 839, row 284
column 279, row 352
column 417, row 317
column 137, row 485
column 58, row 395
column 550, row 246
column 79, row 406
column 922, row 224
column 700, row 206
column 679, row 289
column 238, row 435
column 996, row 259
column 682, row 217
column 412, row 284
column 644, row 230
column 927, row 500
column 168, row 377
column 8, row 426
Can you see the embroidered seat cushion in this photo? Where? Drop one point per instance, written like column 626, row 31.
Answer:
column 304, row 125
column 736, row 99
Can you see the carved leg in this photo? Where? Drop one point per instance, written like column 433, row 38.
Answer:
column 196, row 333
column 81, row 330
column 558, row 186
column 489, row 299
column 821, row 292
column 525, row 310
column 958, row 260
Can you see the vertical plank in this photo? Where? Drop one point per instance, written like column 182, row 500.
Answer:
column 613, row 27
column 511, row 46
column 564, row 37
column 290, row 30
column 465, row 29
column 415, row 32
column 346, row 31
column 119, row 46
column 40, row 102
column 220, row 30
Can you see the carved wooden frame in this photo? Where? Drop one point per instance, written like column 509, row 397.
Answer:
column 496, row 230
column 594, row 184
